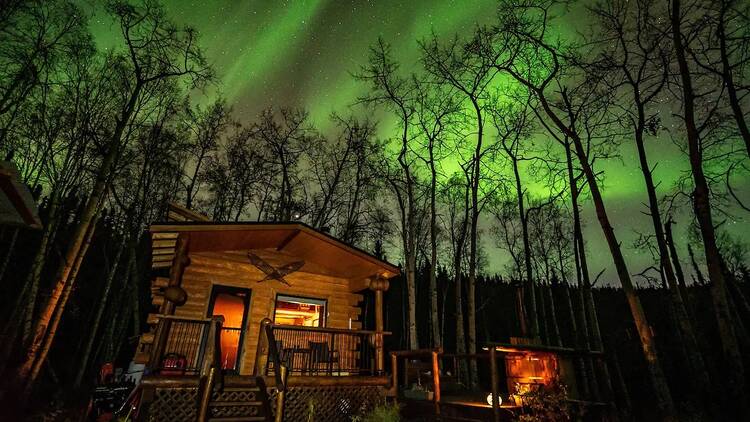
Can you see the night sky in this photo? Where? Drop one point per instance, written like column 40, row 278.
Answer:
column 302, row 53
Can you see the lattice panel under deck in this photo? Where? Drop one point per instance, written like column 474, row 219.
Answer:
column 328, row 403
column 173, row 404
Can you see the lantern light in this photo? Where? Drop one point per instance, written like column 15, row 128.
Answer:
column 499, row 399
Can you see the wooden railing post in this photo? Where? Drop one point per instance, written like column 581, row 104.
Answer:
column 212, row 352
column 207, row 391
column 394, row 376
column 160, row 343
column 494, row 375
column 261, row 352
column 280, row 394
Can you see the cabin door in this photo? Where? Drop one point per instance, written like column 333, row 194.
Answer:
column 232, row 303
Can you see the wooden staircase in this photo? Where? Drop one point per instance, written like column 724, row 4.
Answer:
column 241, row 399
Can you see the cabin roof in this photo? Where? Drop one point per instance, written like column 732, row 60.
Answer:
column 17, row 206
column 292, row 238
column 521, row 348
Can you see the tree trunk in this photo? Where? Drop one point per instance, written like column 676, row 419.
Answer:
column 434, row 316
column 54, row 321
column 37, row 266
column 735, row 371
column 728, row 79
column 588, row 320
column 676, row 263
column 648, row 345
column 701, row 383
column 553, row 315
column 9, row 252
column 624, row 393
column 579, row 362
column 696, row 268
column 103, row 300
column 75, row 249
column 530, row 296
column 471, row 306
column 542, row 309
column 411, row 284
column 457, row 282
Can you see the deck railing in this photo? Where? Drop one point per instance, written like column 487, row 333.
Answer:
column 319, row 351
column 184, row 346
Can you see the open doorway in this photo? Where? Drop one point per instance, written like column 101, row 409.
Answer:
column 232, row 303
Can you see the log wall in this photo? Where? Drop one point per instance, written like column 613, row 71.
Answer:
column 233, row 269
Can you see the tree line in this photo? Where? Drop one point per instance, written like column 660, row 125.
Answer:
column 108, row 139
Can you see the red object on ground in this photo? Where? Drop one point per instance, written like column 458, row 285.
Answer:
column 106, row 373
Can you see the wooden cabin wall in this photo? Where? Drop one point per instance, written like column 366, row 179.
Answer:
column 233, row 269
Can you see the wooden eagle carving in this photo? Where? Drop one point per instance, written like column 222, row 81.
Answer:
column 273, row 273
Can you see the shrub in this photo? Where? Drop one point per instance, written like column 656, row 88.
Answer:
column 548, row 404
column 381, row 413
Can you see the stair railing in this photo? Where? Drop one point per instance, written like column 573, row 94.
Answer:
column 211, row 374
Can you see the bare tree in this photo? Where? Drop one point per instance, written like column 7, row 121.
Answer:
column 636, row 68
column 156, row 51
column 735, row 370
column 206, row 128
column 537, row 63
column 436, row 110
column 286, row 138
column 396, row 93
column 454, row 64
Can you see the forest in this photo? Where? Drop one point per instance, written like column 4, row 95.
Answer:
column 480, row 168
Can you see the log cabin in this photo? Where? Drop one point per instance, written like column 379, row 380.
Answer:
column 259, row 321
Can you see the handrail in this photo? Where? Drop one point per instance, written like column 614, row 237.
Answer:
column 182, row 318
column 328, row 330
column 268, row 339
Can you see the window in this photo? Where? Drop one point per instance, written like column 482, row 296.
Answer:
column 303, row 311
column 232, row 304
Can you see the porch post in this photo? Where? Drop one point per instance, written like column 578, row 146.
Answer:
column 379, row 285
column 179, row 262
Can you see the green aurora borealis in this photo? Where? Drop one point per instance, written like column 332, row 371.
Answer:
column 302, row 53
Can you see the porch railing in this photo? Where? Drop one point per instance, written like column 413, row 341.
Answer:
column 318, row 351
column 184, row 346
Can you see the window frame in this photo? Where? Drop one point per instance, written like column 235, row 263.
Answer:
column 314, row 301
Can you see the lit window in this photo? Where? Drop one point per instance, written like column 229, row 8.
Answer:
column 292, row 310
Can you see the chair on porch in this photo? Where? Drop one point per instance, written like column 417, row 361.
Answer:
column 284, row 355
column 173, row 364
column 320, row 353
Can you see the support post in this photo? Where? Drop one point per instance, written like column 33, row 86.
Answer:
column 279, row 416
column 494, row 375
column 394, row 376
column 207, row 391
column 179, row 262
column 379, row 285
column 436, row 380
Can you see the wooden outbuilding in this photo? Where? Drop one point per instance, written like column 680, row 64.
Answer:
column 258, row 311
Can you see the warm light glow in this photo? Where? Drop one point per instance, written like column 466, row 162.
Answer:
column 499, row 400
column 528, row 370
column 232, row 308
column 299, row 311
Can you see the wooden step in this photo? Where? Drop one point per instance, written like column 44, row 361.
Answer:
column 234, row 403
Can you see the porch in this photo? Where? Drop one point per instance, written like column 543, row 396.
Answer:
column 340, row 370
